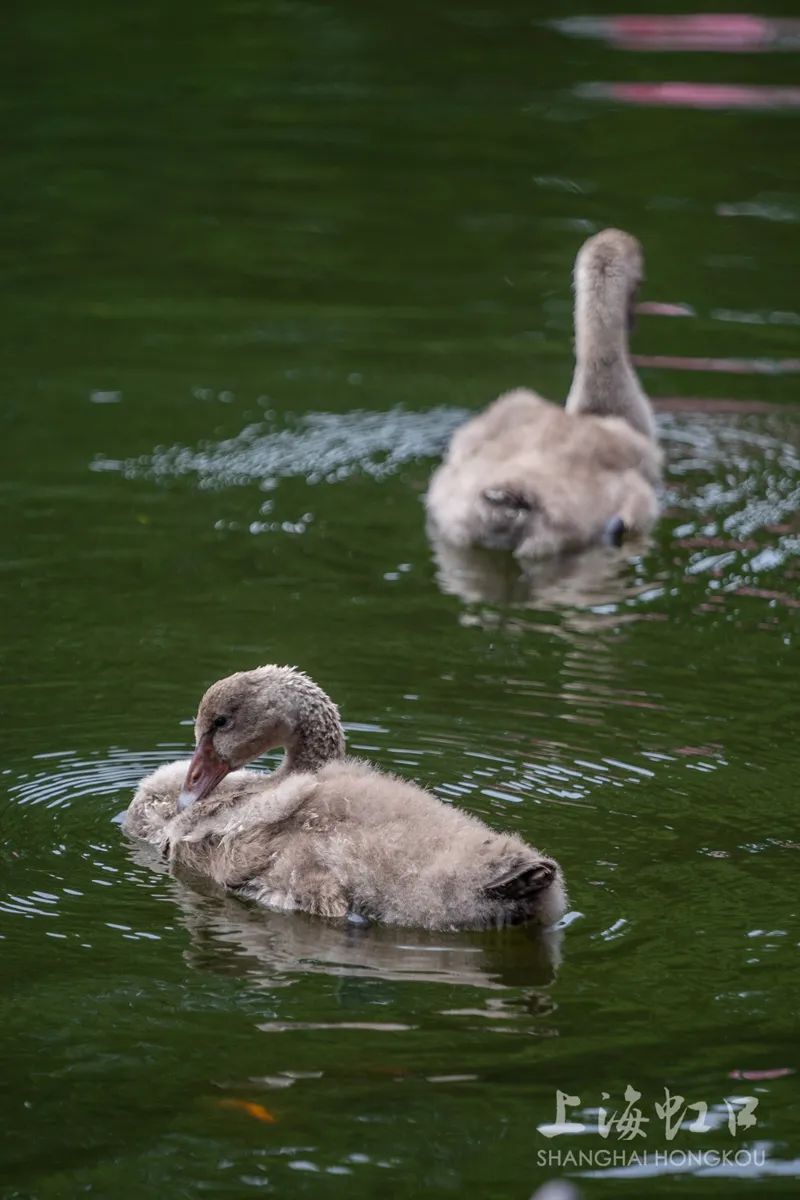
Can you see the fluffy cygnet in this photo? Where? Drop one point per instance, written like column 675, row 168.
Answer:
column 530, row 476
column 327, row 834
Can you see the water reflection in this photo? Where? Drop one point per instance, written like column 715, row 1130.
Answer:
column 727, row 32
column 709, row 96
column 599, row 576
column 660, row 308
column 770, row 207
column 277, row 949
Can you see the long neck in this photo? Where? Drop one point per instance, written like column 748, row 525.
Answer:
column 317, row 736
column 605, row 383
column 601, row 316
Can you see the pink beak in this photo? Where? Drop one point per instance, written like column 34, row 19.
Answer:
column 205, row 771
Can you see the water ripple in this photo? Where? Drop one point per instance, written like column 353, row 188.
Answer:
column 734, row 478
column 69, row 778
column 320, row 447
column 739, row 485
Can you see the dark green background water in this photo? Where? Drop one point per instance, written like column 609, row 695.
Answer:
column 258, row 259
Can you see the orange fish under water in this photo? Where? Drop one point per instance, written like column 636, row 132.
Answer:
column 257, row 1111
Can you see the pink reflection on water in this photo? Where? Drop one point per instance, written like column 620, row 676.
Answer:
column 659, row 308
column 725, row 32
column 769, row 1073
column 697, row 95
column 731, row 366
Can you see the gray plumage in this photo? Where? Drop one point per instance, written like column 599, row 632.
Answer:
column 529, row 476
column 332, row 835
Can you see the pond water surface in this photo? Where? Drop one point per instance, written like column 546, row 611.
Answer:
column 259, row 260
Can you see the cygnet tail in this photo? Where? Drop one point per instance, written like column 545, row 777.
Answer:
column 523, row 883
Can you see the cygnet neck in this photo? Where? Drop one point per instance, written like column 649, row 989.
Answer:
column 604, row 383
column 316, row 735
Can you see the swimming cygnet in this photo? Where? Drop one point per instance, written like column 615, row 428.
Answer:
column 530, row 476
column 327, row 834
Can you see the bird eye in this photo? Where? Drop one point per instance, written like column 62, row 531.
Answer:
column 219, row 722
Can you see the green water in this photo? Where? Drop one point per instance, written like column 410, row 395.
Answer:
column 258, row 261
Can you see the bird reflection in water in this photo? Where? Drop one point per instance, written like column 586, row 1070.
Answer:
column 275, row 949
column 596, row 577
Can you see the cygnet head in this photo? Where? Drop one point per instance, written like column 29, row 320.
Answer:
column 248, row 714
column 608, row 271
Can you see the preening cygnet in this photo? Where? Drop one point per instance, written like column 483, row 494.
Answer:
column 328, row 834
